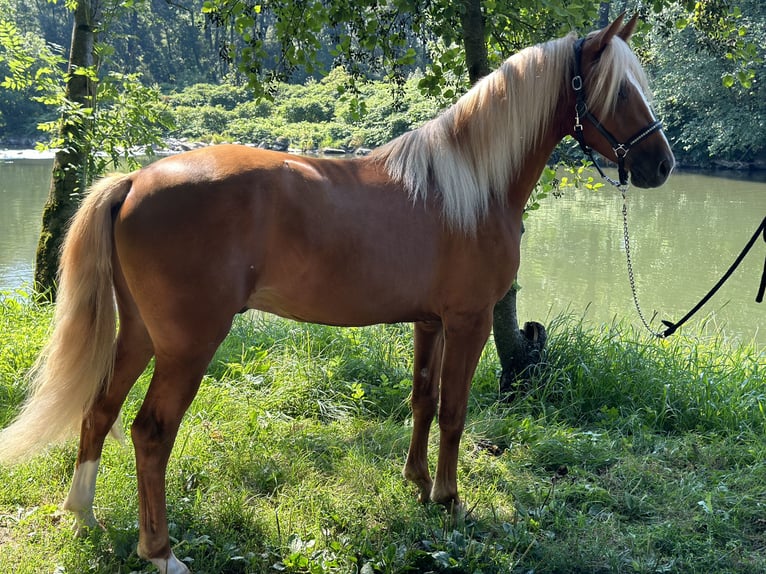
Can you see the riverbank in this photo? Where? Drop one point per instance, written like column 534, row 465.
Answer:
column 624, row 455
column 180, row 145
column 25, row 154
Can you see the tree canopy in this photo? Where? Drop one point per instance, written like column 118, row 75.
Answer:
column 715, row 46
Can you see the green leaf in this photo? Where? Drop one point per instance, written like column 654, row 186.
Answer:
column 745, row 78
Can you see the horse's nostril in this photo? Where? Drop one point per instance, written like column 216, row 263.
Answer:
column 664, row 168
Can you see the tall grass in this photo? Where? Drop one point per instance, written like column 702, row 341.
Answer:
column 622, row 455
column 617, row 374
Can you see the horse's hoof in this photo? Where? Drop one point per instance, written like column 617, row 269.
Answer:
column 170, row 565
column 457, row 511
column 85, row 522
column 451, row 502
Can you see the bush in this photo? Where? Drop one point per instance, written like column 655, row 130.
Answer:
column 226, row 96
column 200, row 121
column 310, row 116
column 252, row 109
column 311, row 111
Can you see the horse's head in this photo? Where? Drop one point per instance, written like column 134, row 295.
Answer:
column 612, row 112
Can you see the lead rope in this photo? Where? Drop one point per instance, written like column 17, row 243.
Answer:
column 631, row 277
column 673, row 327
column 760, row 230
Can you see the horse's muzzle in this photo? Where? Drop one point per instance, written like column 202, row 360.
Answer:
column 652, row 173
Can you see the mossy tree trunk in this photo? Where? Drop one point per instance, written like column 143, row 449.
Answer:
column 517, row 349
column 68, row 177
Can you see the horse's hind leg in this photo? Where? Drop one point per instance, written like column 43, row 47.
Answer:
column 178, row 371
column 425, row 398
column 133, row 351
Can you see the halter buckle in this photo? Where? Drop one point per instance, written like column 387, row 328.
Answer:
column 577, row 83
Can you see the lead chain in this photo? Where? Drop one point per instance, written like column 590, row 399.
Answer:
column 631, row 277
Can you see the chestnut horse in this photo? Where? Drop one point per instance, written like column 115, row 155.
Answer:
column 426, row 229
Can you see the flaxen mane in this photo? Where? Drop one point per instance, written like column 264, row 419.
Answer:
column 469, row 153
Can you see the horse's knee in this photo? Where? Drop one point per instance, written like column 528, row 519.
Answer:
column 424, row 408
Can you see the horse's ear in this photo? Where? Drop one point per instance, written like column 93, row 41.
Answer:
column 627, row 29
column 604, row 36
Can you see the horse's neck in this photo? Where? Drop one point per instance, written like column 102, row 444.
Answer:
column 523, row 182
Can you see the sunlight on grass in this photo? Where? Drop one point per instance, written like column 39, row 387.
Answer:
column 622, row 455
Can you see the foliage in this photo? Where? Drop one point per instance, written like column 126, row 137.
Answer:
column 126, row 122
column 19, row 111
column 228, row 43
column 123, row 114
column 623, row 455
column 552, row 182
column 309, row 117
column 708, row 115
column 383, row 41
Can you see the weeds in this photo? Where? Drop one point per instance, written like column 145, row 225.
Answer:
column 623, row 455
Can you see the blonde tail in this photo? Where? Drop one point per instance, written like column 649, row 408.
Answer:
column 79, row 357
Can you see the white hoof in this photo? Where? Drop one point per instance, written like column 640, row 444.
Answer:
column 170, row 565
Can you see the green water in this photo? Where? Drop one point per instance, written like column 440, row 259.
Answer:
column 684, row 236
column 23, row 189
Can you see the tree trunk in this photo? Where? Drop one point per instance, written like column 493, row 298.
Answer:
column 68, row 178
column 517, row 349
column 603, row 14
column 474, row 41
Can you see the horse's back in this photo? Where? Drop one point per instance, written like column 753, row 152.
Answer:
column 230, row 227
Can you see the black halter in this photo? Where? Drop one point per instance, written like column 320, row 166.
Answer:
column 582, row 112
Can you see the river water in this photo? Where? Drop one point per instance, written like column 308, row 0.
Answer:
column 684, row 236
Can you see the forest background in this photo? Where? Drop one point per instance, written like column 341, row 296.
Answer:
column 200, row 82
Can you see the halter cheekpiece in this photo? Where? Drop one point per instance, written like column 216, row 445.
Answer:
column 582, row 112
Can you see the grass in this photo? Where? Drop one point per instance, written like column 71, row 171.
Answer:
column 623, row 455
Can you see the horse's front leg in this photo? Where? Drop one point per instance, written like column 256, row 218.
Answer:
column 464, row 340
column 425, row 398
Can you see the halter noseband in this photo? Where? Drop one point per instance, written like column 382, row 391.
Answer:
column 582, row 112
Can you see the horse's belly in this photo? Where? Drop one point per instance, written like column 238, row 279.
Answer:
column 341, row 304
